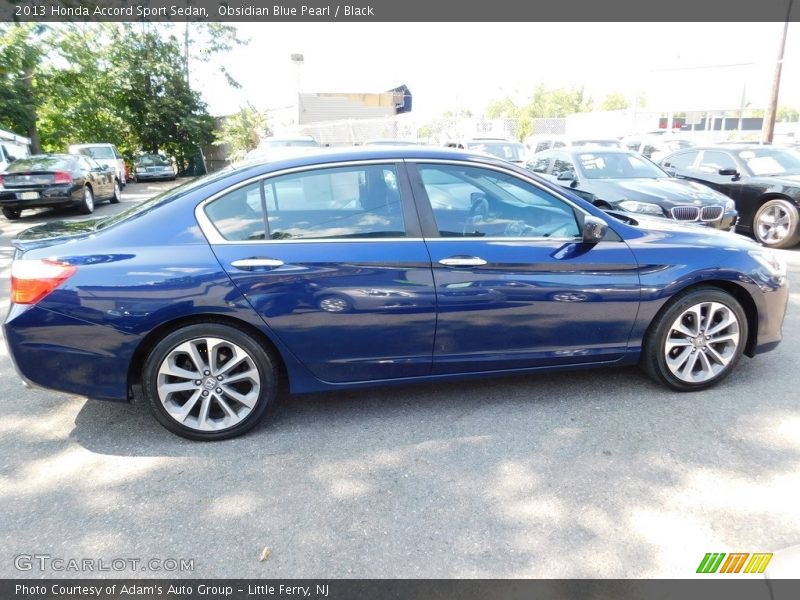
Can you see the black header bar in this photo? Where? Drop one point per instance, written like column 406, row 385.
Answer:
column 368, row 11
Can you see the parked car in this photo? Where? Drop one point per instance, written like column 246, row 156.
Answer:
column 764, row 181
column 390, row 142
column 56, row 180
column 626, row 181
column 513, row 152
column 105, row 154
column 656, row 147
column 150, row 167
column 540, row 143
column 177, row 296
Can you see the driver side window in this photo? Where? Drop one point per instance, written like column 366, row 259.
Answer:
column 478, row 202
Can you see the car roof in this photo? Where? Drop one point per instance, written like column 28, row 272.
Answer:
column 90, row 145
column 61, row 155
column 592, row 150
column 355, row 153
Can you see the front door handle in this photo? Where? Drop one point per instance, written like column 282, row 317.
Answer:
column 462, row 261
column 255, row 263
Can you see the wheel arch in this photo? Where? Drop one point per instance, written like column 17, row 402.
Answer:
column 734, row 289
column 144, row 347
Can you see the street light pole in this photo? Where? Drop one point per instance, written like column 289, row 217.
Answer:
column 768, row 130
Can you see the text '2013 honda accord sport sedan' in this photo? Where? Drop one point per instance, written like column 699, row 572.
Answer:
column 371, row 267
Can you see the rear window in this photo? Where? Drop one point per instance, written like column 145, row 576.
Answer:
column 41, row 163
column 102, row 152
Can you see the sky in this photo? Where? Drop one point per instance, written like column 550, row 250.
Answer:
column 450, row 66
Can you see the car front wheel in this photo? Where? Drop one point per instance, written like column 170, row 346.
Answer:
column 209, row 381
column 696, row 341
column 776, row 224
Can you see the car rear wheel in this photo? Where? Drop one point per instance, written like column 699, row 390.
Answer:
column 697, row 341
column 115, row 196
column 86, row 207
column 209, row 381
column 12, row 213
column 775, row 224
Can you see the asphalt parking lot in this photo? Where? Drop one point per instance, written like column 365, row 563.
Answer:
column 591, row 474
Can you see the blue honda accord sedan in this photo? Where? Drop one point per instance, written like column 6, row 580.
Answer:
column 372, row 267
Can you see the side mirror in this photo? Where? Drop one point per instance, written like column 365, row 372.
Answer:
column 566, row 176
column 594, row 229
column 729, row 172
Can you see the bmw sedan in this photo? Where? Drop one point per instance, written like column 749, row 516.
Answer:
column 763, row 180
column 625, row 181
column 374, row 267
column 47, row 180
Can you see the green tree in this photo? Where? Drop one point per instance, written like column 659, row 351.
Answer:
column 154, row 96
column 241, row 132
column 615, row 101
column 787, row 114
column 22, row 73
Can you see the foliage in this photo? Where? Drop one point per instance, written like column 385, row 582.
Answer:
column 615, row 101
column 242, row 132
column 122, row 83
column 22, row 48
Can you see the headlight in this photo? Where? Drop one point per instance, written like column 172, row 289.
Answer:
column 773, row 263
column 642, row 207
column 729, row 205
column 141, row 170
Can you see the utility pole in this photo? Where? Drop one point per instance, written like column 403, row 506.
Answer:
column 768, row 129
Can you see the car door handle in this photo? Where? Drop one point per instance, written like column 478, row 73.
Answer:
column 254, row 263
column 462, row 261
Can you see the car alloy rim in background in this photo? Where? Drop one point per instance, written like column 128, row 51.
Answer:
column 773, row 223
column 701, row 342
column 208, row 384
column 333, row 304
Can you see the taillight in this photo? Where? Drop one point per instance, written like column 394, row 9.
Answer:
column 2, row 181
column 62, row 177
column 32, row 280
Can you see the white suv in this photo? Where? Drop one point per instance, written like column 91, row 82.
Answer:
column 105, row 154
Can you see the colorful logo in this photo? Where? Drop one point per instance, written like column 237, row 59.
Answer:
column 712, row 562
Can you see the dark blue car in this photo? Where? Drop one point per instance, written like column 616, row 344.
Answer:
column 369, row 267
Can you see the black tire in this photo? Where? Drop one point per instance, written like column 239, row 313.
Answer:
column 261, row 360
column 783, row 236
column 115, row 195
column 654, row 350
column 86, row 205
column 12, row 214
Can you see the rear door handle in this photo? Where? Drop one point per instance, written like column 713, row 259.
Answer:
column 255, row 263
column 462, row 261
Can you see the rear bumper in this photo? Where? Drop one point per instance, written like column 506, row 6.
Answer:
column 54, row 351
column 47, row 197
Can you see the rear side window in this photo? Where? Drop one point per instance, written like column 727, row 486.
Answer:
column 239, row 215
column 42, row 163
column 330, row 203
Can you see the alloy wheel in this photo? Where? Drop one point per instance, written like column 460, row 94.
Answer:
column 702, row 342
column 208, row 384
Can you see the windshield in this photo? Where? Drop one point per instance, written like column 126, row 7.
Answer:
column 289, row 143
column 618, row 165
column 41, row 163
column 97, row 151
column 771, row 161
column 150, row 160
column 506, row 150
